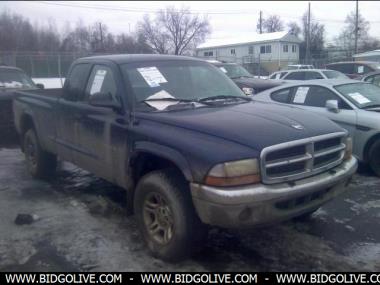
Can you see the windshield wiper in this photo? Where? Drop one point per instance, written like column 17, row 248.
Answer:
column 372, row 106
column 224, row 97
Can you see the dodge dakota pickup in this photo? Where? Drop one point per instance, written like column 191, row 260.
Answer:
column 186, row 144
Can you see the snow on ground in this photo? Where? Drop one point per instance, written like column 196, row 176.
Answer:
column 50, row 82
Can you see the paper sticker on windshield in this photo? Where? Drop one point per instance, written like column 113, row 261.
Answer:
column 98, row 81
column 360, row 69
column 300, row 95
column 359, row 98
column 223, row 69
column 152, row 76
column 278, row 75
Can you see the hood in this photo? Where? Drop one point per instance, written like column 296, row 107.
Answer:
column 257, row 83
column 254, row 124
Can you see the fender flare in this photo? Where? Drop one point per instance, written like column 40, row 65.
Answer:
column 167, row 153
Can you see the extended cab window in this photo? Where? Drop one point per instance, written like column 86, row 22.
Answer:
column 282, row 96
column 316, row 96
column 101, row 81
column 295, row 76
column 77, row 79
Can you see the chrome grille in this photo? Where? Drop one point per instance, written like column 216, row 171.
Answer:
column 302, row 158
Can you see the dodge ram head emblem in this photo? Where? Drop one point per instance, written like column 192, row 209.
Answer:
column 298, row 126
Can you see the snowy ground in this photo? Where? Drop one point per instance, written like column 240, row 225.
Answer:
column 81, row 226
column 50, row 82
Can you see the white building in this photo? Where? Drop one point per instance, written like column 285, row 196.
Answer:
column 272, row 50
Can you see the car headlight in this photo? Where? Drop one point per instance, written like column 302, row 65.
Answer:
column 234, row 173
column 349, row 146
column 247, row 90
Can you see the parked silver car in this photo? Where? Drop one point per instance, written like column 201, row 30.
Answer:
column 354, row 105
column 307, row 74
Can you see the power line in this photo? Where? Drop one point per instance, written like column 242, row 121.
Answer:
column 146, row 10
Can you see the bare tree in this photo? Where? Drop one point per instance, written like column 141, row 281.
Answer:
column 346, row 39
column 271, row 24
column 294, row 28
column 174, row 31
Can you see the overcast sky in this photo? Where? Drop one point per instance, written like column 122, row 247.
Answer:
column 228, row 19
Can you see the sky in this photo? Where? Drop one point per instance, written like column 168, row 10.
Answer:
column 227, row 18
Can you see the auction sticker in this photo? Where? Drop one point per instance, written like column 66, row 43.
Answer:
column 152, row 76
column 300, row 95
column 359, row 98
column 98, row 81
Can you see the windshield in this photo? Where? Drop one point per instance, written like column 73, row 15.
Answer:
column 330, row 74
column 363, row 95
column 15, row 79
column 178, row 79
column 234, row 70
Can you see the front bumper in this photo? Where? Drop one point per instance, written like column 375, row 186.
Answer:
column 250, row 205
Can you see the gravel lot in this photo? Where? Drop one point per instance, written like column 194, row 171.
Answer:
column 80, row 225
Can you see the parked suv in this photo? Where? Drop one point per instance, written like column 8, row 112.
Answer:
column 354, row 69
column 309, row 74
column 245, row 80
column 189, row 148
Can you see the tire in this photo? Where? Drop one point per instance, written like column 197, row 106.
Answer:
column 40, row 163
column 166, row 216
column 374, row 158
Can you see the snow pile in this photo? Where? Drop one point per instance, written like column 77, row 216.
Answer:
column 50, row 82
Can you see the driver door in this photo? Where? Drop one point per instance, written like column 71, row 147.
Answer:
column 95, row 124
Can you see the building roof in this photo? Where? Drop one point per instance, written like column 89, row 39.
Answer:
column 375, row 52
column 254, row 38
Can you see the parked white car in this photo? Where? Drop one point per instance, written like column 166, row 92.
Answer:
column 354, row 105
column 307, row 74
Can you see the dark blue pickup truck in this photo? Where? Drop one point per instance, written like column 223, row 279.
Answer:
column 186, row 144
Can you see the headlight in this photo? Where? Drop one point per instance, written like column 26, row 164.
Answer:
column 348, row 152
column 247, row 90
column 234, row 173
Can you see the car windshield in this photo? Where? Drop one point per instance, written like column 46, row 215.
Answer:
column 330, row 74
column 363, row 95
column 14, row 79
column 234, row 70
column 176, row 81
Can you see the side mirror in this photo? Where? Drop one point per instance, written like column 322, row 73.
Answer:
column 40, row 86
column 104, row 100
column 332, row 105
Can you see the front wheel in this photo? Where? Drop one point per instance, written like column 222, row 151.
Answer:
column 40, row 163
column 166, row 216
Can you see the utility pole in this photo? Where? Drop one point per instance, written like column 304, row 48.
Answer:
column 308, row 37
column 356, row 26
column 261, row 22
column 101, row 36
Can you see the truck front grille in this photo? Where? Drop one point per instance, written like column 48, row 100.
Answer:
column 302, row 158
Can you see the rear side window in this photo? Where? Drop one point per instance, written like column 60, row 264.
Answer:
column 346, row 68
column 362, row 69
column 76, row 82
column 295, row 76
column 282, row 96
column 313, row 75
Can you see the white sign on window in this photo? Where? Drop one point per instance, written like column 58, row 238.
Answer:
column 152, row 76
column 98, row 81
column 361, row 69
column 300, row 95
column 359, row 98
